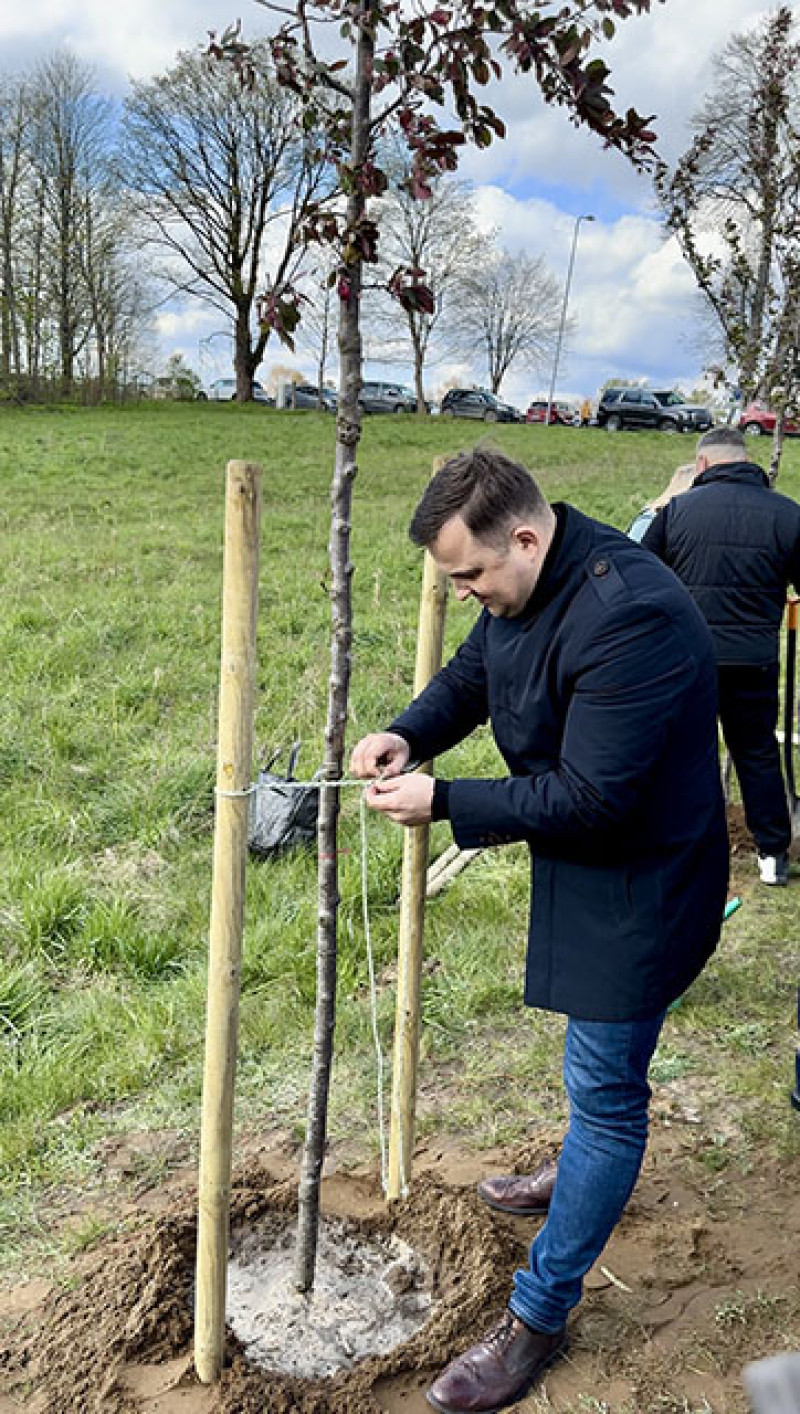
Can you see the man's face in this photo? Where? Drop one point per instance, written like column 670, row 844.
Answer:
column 501, row 577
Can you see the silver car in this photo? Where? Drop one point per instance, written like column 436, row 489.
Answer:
column 223, row 390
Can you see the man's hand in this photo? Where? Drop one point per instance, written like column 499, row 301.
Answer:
column 379, row 754
column 407, row 800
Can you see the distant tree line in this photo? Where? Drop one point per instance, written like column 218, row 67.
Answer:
column 71, row 286
column 199, row 189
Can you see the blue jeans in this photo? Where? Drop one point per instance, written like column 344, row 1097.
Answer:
column 605, row 1074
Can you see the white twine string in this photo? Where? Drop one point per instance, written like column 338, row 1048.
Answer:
column 317, row 784
column 373, row 990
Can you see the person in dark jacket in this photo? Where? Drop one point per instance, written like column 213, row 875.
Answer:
column 735, row 544
column 596, row 672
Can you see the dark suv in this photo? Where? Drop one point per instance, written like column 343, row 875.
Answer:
column 477, row 402
column 651, row 407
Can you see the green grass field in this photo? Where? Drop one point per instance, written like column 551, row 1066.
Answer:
column 111, row 561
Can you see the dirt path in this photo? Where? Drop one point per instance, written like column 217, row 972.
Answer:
column 701, row 1276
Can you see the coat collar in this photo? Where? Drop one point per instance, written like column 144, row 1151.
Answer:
column 567, row 551
column 749, row 472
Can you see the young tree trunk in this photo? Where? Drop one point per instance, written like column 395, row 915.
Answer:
column 348, row 432
column 776, row 450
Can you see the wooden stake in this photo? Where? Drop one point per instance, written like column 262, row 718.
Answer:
column 234, row 766
column 449, row 871
column 430, row 637
column 445, row 859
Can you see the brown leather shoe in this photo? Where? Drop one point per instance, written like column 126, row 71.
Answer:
column 497, row 1371
column 521, row 1195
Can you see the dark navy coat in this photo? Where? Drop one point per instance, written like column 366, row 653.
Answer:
column 602, row 698
column 735, row 544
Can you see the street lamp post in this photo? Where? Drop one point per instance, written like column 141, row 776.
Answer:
column 563, row 320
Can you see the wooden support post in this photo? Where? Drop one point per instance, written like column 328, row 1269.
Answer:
column 430, row 638
column 234, row 768
column 449, row 871
column 438, row 866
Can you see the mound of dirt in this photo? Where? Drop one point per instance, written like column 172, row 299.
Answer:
column 699, row 1277
column 135, row 1305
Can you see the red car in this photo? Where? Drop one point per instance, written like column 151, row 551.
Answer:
column 757, row 420
column 559, row 412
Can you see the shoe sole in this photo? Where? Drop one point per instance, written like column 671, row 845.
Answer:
column 539, row 1212
column 507, row 1403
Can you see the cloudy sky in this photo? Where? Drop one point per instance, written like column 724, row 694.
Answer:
column 631, row 295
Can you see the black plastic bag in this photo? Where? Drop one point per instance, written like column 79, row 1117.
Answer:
column 282, row 815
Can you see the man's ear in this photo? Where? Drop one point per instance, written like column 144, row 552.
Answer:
column 526, row 536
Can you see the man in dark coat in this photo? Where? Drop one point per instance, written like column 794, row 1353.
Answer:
column 596, row 672
column 735, row 544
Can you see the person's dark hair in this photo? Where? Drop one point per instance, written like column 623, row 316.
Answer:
column 488, row 490
column 727, row 439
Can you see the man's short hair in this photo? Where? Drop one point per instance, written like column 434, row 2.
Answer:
column 724, row 440
column 488, row 490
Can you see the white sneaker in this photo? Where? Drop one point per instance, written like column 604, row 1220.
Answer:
column 773, row 868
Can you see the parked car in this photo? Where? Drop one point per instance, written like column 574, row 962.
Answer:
column 387, row 397
column 306, row 395
column 224, row 390
column 478, row 402
column 657, row 408
column 758, row 420
column 560, row 412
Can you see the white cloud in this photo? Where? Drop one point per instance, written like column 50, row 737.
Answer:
column 192, row 319
column 120, row 41
column 632, row 295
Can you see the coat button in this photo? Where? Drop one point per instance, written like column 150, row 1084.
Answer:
column 600, row 567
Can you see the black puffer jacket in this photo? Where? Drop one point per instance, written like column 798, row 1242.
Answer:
column 735, row 544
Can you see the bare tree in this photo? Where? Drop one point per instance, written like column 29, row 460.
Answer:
column 120, row 295
column 317, row 330
column 223, row 177
column 72, row 145
column 511, row 307
column 15, row 120
column 30, row 297
column 72, row 296
column 733, row 202
column 439, row 236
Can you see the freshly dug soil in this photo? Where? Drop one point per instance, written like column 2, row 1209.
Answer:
column 700, row 1277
